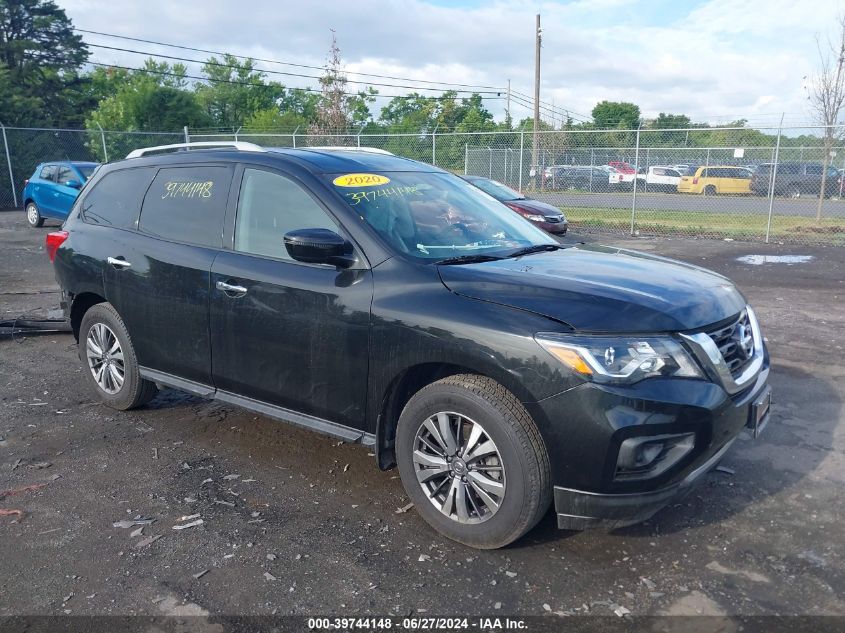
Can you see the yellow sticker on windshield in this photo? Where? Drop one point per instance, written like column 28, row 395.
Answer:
column 360, row 180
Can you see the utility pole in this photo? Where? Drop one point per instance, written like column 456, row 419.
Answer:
column 508, row 108
column 535, row 154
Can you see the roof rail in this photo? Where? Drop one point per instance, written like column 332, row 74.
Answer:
column 341, row 148
column 238, row 145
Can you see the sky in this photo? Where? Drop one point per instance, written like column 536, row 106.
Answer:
column 713, row 60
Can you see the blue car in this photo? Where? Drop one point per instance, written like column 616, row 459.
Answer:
column 52, row 189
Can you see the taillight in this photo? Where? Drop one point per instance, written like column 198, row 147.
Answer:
column 53, row 241
column 26, row 182
column 695, row 180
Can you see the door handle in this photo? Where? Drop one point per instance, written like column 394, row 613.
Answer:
column 222, row 285
column 118, row 263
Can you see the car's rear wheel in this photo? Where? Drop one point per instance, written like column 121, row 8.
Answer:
column 473, row 462
column 33, row 215
column 794, row 191
column 112, row 367
column 709, row 190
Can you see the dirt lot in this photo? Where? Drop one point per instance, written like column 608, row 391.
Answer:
column 294, row 522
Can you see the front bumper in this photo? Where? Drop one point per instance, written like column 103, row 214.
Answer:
column 582, row 509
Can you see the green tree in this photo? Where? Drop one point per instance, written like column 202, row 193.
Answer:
column 42, row 55
column 235, row 91
column 668, row 121
column 333, row 108
column 620, row 115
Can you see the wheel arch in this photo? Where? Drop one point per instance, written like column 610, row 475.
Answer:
column 80, row 305
column 402, row 388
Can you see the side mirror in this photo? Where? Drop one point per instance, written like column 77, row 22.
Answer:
column 73, row 183
column 319, row 246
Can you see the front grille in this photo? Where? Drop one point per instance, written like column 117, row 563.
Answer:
column 554, row 219
column 736, row 343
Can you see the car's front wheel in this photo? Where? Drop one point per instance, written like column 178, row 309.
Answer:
column 33, row 215
column 472, row 461
column 112, row 367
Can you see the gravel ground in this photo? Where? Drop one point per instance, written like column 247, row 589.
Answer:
column 298, row 523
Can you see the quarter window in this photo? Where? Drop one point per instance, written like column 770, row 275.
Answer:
column 48, row 172
column 187, row 204
column 271, row 205
column 116, row 197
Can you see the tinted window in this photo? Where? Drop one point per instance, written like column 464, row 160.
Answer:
column 673, row 172
column 187, row 204
column 269, row 206
column 116, row 197
column 704, row 172
column 659, row 171
column 86, row 170
column 48, row 172
column 65, row 174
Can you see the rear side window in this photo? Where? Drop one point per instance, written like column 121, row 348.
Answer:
column 271, row 205
column 116, row 198
column 48, row 172
column 187, row 204
column 65, row 174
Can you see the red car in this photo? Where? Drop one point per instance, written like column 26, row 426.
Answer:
column 622, row 167
column 543, row 215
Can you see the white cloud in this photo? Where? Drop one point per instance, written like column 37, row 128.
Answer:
column 720, row 59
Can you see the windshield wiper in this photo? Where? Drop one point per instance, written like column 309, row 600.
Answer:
column 468, row 259
column 537, row 248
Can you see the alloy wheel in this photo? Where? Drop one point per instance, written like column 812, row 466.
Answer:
column 105, row 358
column 32, row 214
column 459, row 467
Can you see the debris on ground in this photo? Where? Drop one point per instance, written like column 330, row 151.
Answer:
column 230, row 477
column 188, row 525
column 147, row 541
column 137, row 532
column 200, row 574
column 424, row 558
column 271, row 557
column 17, row 491
column 4, row 512
column 404, row 509
column 269, row 576
column 621, row 611
column 725, row 469
column 510, row 574
column 648, row 583
column 128, row 523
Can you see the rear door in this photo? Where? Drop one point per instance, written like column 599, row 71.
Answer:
column 158, row 276
column 43, row 190
column 291, row 334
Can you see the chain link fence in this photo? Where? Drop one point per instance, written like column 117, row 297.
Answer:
column 726, row 183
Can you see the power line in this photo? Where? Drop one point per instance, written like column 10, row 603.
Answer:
column 256, row 85
column 558, row 108
column 276, row 72
column 281, row 63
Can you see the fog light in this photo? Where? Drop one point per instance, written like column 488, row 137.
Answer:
column 649, row 456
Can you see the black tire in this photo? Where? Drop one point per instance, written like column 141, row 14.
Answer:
column 134, row 390
column 33, row 215
column 793, row 191
column 709, row 190
column 525, row 462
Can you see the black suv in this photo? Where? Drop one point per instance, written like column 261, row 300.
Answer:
column 795, row 180
column 387, row 302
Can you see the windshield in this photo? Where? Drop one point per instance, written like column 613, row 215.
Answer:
column 434, row 216
column 497, row 190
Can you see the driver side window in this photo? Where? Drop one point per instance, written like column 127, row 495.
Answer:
column 269, row 206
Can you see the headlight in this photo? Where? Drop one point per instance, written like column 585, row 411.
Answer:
column 615, row 359
column 535, row 218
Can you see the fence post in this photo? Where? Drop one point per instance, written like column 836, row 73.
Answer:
column 434, row 145
column 772, row 179
column 103, row 138
column 293, row 136
column 9, row 163
column 707, row 162
column 187, row 136
column 634, row 197
column 521, row 153
column 490, row 163
column 466, row 157
column 236, row 133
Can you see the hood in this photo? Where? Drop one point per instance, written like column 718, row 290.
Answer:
column 535, row 206
column 601, row 289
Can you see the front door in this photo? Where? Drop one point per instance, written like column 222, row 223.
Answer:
column 283, row 332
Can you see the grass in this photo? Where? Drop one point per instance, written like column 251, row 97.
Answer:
column 785, row 228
